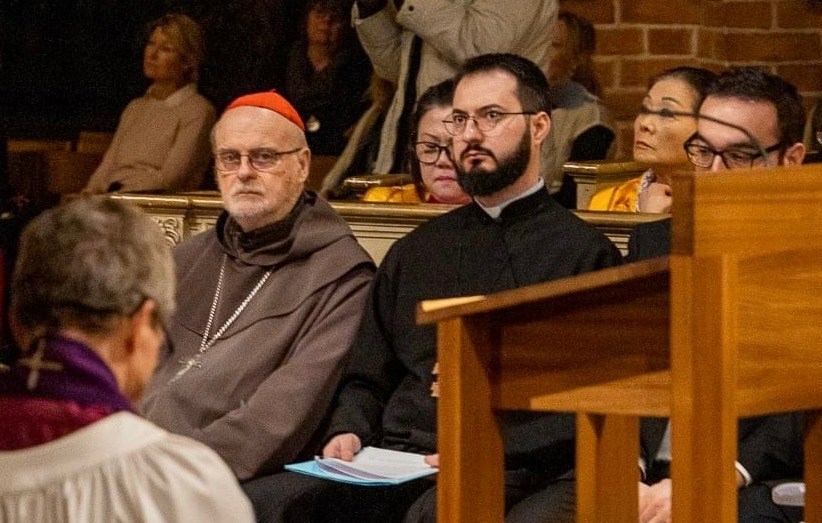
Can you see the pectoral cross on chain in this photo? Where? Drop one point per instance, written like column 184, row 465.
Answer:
column 187, row 365
column 435, row 386
column 36, row 363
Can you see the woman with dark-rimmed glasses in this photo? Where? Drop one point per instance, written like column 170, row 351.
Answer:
column 430, row 161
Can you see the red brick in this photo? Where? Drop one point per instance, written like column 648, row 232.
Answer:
column 670, row 41
column 597, row 11
column 805, row 77
column 605, row 70
column 636, row 73
column 623, row 103
column 620, row 41
column 811, row 101
column 798, row 14
column 716, row 66
column 735, row 14
column 707, row 43
column 660, row 12
column 769, row 47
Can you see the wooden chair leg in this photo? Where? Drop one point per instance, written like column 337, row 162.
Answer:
column 607, row 470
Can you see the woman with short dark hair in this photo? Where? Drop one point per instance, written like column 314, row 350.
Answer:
column 665, row 121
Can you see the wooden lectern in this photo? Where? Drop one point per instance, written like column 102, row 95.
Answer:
column 728, row 326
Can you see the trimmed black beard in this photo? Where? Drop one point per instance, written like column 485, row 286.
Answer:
column 477, row 181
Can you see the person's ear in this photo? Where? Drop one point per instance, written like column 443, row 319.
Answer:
column 140, row 325
column 304, row 162
column 540, row 126
column 141, row 346
column 794, row 155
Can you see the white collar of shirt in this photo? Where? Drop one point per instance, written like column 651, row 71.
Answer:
column 177, row 97
column 495, row 211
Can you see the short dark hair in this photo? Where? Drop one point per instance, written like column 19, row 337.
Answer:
column 339, row 10
column 698, row 78
column 440, row 95
column 532, row 85
column 754, row 84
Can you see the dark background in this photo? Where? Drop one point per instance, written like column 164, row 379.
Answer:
column 70, row 65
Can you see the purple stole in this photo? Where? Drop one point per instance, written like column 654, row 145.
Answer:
column 57, row 386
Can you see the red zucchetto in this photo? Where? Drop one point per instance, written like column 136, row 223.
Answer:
column 270, row 100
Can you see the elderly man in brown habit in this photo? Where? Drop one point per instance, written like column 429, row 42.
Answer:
column 269, row 300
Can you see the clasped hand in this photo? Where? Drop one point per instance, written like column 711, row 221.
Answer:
column 345, row 446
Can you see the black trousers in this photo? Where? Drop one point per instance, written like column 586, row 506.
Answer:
column 288, row 497
column 757, row 506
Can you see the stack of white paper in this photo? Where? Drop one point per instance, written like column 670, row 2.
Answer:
column 371, row 466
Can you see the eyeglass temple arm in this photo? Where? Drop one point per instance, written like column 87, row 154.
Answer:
column 744, row 131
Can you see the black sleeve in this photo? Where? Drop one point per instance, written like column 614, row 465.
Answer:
column 373, row 371
column 593, row 144
column 770, row 447
column 649, row 240
column 651, row 432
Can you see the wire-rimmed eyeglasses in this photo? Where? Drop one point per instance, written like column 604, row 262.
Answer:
column 485, row 121
column 262, row 159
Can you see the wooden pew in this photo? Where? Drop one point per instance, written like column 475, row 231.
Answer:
column 95, row 142
column 726, row 327
column 376, row 225
column 27, row 167
column 68, row 172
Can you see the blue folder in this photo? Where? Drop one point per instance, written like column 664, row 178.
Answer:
column 310, row 468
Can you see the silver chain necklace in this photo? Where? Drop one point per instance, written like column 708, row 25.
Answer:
column 206, row 342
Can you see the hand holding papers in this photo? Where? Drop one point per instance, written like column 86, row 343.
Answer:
column 371, row 467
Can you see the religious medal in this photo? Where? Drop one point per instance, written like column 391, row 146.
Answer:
column 36, row 363
column 195, row 362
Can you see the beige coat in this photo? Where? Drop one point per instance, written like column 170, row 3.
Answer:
column 451, row 31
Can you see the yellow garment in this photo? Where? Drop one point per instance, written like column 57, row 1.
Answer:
column 394, row 194
column 620, row 198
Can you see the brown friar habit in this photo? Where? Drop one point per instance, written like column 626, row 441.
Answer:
column 261, row 391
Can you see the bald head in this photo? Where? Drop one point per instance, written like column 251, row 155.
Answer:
column 262, row 162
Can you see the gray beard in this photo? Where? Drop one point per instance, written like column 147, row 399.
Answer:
column 477, row 181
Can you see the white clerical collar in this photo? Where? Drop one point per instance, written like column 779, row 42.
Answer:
column 495, row 211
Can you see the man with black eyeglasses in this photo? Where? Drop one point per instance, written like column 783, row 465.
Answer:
column 748, row 119
column 269, row 300
column 767, row 107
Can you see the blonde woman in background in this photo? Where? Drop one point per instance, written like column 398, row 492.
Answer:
column 161, row 143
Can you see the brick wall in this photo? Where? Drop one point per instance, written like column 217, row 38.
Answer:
column 638, row 38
